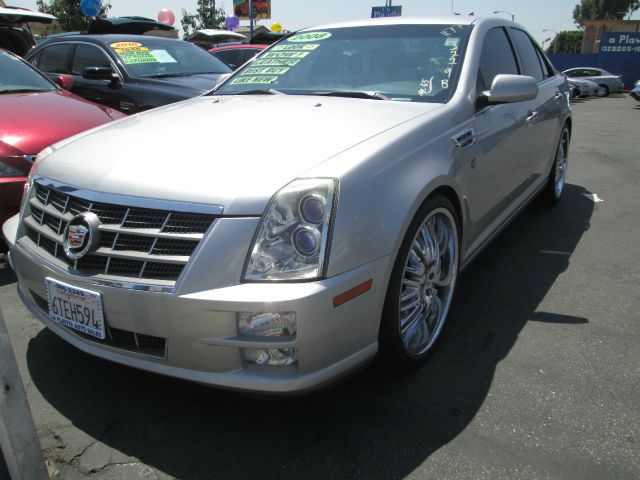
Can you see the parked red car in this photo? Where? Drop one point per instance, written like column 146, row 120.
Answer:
column 236, row 55
column 35, row 114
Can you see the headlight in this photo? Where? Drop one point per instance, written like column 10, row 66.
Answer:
column 293, row 237
column 34, row 168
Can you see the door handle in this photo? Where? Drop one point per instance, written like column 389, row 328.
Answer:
column 558, row 96
column 531, row 116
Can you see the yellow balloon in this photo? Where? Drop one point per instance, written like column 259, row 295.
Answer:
column 276, row 27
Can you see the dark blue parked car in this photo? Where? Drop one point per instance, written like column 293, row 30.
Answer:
column 130, row 73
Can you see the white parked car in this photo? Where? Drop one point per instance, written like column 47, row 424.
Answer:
column 608, row 82
column 279, row 258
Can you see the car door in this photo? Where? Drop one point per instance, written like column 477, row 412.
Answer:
column 544, row 113
column 501, row 173
column 105, row 92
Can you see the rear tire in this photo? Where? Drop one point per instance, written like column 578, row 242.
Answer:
column 558, row 176
column 603, row 91
column 421, row 287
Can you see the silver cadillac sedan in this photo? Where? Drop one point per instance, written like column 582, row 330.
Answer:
column 279, row 257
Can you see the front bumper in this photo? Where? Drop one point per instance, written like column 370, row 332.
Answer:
column 199, row 326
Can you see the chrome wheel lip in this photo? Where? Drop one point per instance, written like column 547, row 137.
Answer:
column 428, row 290
column 560, row 173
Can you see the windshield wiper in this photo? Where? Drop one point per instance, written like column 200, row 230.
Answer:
column 354, row 94
column 179, row 74
column 23, row 90
column 168, row 75
column 258, row 91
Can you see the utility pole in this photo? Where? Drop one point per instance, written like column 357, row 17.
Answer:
column 250, row 19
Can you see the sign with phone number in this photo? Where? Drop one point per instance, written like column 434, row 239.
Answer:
column 620, row 42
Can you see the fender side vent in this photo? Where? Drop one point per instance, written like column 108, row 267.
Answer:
column 465, row 139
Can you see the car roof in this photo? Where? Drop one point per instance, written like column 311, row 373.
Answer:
column 105, row 39
column 441, row 20
column 241, row 46
column 13, row 14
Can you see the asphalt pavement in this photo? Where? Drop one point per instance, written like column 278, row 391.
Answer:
column 537, row 375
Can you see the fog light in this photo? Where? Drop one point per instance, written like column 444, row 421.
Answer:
column 267, row 324
column 271, row 356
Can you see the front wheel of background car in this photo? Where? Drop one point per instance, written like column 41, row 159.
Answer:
column 558, row 176
column 421, row 287
column 602, row 91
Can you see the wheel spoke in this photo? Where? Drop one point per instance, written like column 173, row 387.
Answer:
column 415, row 325
column 409, row 298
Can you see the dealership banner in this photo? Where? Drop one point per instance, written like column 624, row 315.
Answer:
column 620, row 42
column 261, row 9
column 380, row 12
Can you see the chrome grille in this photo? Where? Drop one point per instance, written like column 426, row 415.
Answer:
column 135, row 243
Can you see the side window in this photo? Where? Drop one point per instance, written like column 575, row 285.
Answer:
column 547, row 68
column 54, row 58
column 249, row 53
column 88, row 56
column 528, row 56
column 497, row 57
column 230, row 57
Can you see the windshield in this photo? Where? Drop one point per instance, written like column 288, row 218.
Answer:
column 158, row 59
column 18, row 77
column 390, row 62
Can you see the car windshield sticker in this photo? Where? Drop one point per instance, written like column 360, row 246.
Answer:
column 309, row 37
column 452, row 42
column 266, row 70
column 125, row 44
column 309, row 46
column 163, row 56
column 275, row 62
column 242, row 80
column 285, row 54
column 442, row 67
column 133, row 53
column 452, row 30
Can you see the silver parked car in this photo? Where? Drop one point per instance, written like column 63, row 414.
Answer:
column 608, row 82
column 402, row 146
column 585, row 88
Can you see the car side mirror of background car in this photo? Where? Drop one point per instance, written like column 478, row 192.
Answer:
column 509, row 89
column 65, row 81
column 100, row 73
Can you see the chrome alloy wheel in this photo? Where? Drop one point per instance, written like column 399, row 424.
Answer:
column 560, row 174
column 428, row 281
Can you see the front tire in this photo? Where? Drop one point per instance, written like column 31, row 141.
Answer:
column 421, row 287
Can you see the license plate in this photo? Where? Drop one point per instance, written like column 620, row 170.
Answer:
column 75, row 308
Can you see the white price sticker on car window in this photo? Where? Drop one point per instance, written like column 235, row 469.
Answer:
column 163, row 56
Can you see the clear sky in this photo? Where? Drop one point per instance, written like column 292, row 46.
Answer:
column 534, row 15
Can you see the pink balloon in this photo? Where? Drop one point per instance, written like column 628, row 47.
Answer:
column 166, row 16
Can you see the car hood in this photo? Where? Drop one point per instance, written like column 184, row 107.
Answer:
column 235, row 152
column 39, row 119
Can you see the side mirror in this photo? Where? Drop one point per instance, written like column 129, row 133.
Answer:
column 510, row 89
column 65, row 81
column 100, row 73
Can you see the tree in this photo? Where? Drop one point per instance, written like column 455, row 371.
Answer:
column 603, row 9
column 69, row 14
column 207, row 16
column 569, row 41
